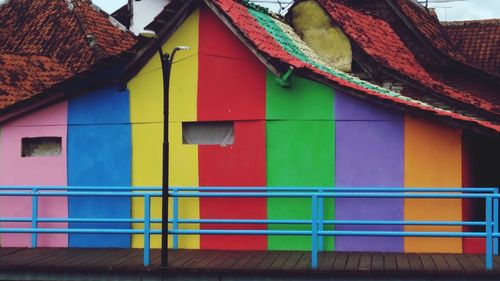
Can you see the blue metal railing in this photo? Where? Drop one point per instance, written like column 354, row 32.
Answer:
column 317, row 222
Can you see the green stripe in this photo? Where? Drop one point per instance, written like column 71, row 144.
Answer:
column 304, row 100
column 299, row 153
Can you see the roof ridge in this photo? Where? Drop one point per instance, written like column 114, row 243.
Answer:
column 89, row 37
column 420, row 6
column 259, row 8
column 494, row 21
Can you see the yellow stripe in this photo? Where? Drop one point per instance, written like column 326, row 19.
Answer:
column 146, row 107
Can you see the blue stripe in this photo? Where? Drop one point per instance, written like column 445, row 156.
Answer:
column 99, row 154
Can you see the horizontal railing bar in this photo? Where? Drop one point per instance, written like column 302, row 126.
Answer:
column 400, row 233
column 257, row 194
column 83, row 194
column 249, row 221
column 354, row 189
column 248, row 232
column 72, row 230
column 97, row 188
column 330, row 195
column 328, row 233
column 62, row 220
column 342, row 189
column 331, row 222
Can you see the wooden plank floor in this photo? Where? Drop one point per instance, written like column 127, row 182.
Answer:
column 243, row 261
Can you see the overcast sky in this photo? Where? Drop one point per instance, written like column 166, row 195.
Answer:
column 460, row 10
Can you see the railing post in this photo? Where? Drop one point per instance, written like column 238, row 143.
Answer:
column 314, row 228
column 320, row 219
column 489, row 240
column 34, row 217
column 147, row 224
column 175, row 215
column 495, row 223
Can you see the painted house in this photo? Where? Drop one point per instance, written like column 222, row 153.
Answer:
column 256, row 101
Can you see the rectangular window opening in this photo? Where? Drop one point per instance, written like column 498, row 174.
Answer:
column 41, row 147
column 214, row 133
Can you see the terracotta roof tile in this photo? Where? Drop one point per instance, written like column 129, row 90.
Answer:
column 71, row 35
column 379, row 39
column 479, row 41
column 21, row 76
column 276, row 40
column 429, row 26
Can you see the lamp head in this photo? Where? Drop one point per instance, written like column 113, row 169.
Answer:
column 148, row 34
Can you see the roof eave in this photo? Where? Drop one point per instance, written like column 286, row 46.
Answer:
column 88, row 80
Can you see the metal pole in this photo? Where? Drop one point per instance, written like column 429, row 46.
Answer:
column 175, row 223
column 34, row 217
column 314, row 235
column 147, row 228
column 495, row 223
column 165, row 64
column 489, row 236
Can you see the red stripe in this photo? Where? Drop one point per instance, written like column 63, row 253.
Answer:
column 232, row 81
column 232, row 86
column 240, row 164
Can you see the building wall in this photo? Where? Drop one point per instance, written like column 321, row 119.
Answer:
column 34, row 171
column 369, row 153
column 433, row 158
column 99, row 154
column 300, row 152
column 231, row 88
column 146, row 116
column 307, row 135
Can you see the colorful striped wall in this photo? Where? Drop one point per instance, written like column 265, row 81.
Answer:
column 304, row 135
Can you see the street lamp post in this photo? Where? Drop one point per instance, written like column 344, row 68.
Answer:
column 166, row 66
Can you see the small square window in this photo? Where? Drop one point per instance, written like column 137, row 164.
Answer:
column 41, row 147
column 216, row 133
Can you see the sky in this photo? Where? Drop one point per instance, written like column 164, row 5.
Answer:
column 461, row 10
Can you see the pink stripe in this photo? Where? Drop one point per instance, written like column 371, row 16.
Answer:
column 32, row 171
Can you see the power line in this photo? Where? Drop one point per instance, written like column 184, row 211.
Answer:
column 427, row 2
column 285, row 4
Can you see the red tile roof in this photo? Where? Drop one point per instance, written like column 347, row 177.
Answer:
column 20, row 76
column 380, row 40
column 429, row 26
column 479, row 40
column 63, row 38
column 261, row 31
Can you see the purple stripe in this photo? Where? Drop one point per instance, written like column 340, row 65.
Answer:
column 369, row 153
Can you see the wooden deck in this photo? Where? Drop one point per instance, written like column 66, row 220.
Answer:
column 245, row 262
